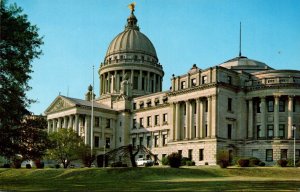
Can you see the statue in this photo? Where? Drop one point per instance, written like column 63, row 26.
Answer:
column 131, row 7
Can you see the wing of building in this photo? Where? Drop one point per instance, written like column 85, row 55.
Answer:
column 242, row 106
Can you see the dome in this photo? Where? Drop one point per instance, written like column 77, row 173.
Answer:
column 242, row 63
column 131, row 40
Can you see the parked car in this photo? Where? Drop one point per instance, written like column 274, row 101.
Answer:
column 144, row 162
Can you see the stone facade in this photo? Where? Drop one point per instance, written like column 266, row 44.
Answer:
column 242, row 106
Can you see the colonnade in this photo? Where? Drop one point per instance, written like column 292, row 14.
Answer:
column 110, row 82
column 264, row 113
column 194, row 118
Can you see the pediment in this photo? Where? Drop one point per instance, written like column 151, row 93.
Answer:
column 59, row 104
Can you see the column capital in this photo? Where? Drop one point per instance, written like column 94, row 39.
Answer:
column 291, row 96
column 277, row 96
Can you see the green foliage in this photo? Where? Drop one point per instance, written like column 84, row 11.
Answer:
column 262, row 164
column 87, row 157
column 175, row 160
column 184, row 160
column 190, row 163
column 223, row 158
column 67, row 146
column 253, row 161
column 243, row 162
column 165, row 161
column 282, row 163
column 19, row 45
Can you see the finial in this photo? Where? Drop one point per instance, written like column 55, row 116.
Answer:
column 131, row 7
column 240, row 53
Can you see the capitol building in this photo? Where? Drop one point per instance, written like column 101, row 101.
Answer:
column 242, row 106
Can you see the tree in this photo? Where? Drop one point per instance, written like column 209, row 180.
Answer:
column 67, row 146
column 87, row 157
column 175, row 160
column 19, row 45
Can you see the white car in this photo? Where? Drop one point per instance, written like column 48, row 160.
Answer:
column 144, row 162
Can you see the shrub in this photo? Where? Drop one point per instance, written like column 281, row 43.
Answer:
column 190, row 163
column 165, row 161
column 282, row 162
column 28, row 166
column 57, row 166
column 6, row 165
column 116, row 164
column 175, row 160
column 39, row 164
column 262, row 164
column 253, row 161
column 243, row 162
column 223, row 159
column 184, row 160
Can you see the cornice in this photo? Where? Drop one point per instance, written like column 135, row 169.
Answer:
column 274, row 86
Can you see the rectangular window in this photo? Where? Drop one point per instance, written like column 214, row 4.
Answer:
column 107, row 123
column 282, row 131
column 190, row 154
column 180, row 152
column 107, row 142
column 229, row 104
column 141, row 122
column 201, row 154
column 270, row 130
column 294, row 106
column 229, row 131
column 149, row 124
column 156, row 141
column 165, row 118
column 96, row 141
column 281, row 106
column 134, row 124
column 255, row 153
column 143, row 83
column 271, row 106
column 283, row 154
column 229, row 80
column 269, row 155
column 97, row 122
column 135, row 82
column 134, row 142
column 204, row 79
column 156, row 120
column 258, row 131
column 194, row 82
column 164, row 140
column 141, row 140
column 258, row 107
column 134, row 106
column 148, row 141
column 183, row 85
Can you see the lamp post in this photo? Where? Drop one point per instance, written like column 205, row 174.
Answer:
column 294, row 129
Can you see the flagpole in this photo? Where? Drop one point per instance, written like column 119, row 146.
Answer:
column 92, row 117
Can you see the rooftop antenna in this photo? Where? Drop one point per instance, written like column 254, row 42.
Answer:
column 240, row 53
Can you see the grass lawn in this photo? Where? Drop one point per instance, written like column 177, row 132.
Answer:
column 151, row 179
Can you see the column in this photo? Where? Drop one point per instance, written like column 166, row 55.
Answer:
column 76, row 124
column 87, row 127
column 214, row 116
column 59, row 123
column 173, row 120
column 101, row 84
column 131, row 77
column 187, row 119
column 198, row 119
column 177, row 121
column 148, row 81
column 192, row 123
column 54, row 125
column 70, row 125
column 276, row 116
column 208, row 117
column 250, row 118
column 140, row 80
column 65, row 122
column 49, row 125
column 263, row 116
column 118, row 82
column 290, row 117
column 109, row 83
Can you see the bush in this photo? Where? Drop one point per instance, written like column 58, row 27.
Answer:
column 57, row 166
column 28, row 166
column 6, row 165
column 165, row 161
column 184, row 160
column 243, row 162
column 190, row 163
column 282, row 162
column 223, row 159
column 116, row 164
column 39, row 164
column 262, row 164
column 175, row 160
column 253, row 161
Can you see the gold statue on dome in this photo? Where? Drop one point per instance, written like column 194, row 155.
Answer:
column 131, row 7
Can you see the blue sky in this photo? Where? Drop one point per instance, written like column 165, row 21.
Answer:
column 205, row 32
